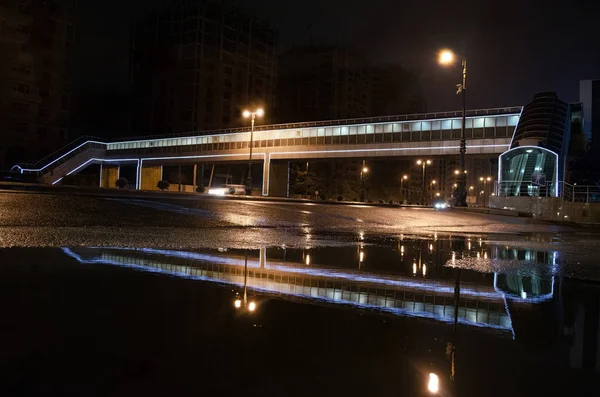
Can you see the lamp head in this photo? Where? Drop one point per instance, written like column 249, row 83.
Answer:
column 446, row 57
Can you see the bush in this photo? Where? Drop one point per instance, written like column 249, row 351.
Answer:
column 323, row 197
column 340, row 198
column 200, row 188
column 381, row 201
column 391, row 201
column 163, row 185
column 122, row 183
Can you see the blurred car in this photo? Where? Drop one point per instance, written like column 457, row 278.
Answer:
column 440, row 204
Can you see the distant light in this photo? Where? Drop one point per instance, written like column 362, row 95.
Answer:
column 434, row 383
column 529, row 150
column 428, row 162
column 454, row 258
column 307, row 259
column 252, row 306
column 414, row 268
column 217, row 191
column 481, row 178
column 260, row 112
column 524, row 295
column 365, row 170
column 361, row 256
column 424, row 270
column 419, row 162
column 405, row 177
column 246, row 114
column 433, row 182
column 441, row 205
column 471, row 188
column 430, row 247
column 237, row 303
column 469, row 245
column 402, row 249
column 489, row 178
column 456, row 172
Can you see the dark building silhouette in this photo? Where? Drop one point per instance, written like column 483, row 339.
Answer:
column 589, row 96
column 395, row 91
column 197, row 64
column 322, row 82
column 327, row 82
column 36, row 38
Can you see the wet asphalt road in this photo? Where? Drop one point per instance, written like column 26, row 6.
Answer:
column 42, row 219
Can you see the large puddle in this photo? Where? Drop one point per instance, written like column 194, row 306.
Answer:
column 371, row 317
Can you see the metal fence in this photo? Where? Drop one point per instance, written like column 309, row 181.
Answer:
column 568, row 192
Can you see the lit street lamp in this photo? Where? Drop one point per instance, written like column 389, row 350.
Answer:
column 404, row 178
column 447, row 57
column 424, row 163
column 247, row 113
column 363, row 171
column 485, row 187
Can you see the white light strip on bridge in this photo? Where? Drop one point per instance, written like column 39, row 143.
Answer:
column 98, row 160
column 367, row 151
column 139, row 184
column 54, row 161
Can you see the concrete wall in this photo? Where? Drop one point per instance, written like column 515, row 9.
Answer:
column 278, row 178
column 110, row 174
column 150, row 177
column 550, row 208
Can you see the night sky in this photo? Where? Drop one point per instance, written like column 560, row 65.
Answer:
column 514, row 48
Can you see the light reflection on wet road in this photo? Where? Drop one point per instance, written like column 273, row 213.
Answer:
column 29, row 219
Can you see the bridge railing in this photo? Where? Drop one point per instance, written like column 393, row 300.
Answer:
column 50, row 162
column 580, row 193
column 523, row 188
column 567, row 191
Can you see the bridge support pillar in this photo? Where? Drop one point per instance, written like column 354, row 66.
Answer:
column 109, row 175
column 276, row 178
column 149, row 177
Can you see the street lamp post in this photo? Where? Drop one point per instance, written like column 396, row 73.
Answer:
column 363, row 171
column 447, row 57
column 485, row 187
column 424, row 163
column 404, row 178
column 251, row 114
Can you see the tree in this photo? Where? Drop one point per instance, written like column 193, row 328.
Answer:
column 163, row 185
column 122, row 183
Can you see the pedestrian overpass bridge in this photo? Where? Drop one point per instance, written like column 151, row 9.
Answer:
column 488, row 131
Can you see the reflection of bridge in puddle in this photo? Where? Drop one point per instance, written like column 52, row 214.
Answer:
column 480, row 305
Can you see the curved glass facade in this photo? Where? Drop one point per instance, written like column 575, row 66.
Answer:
column 529, row 171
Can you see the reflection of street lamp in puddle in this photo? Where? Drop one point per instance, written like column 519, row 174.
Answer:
column 243, row 303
